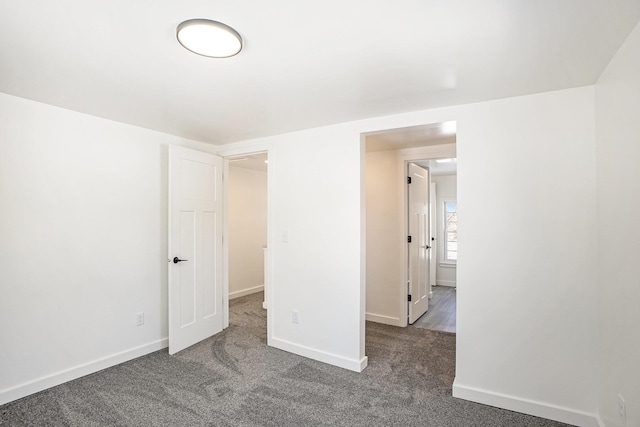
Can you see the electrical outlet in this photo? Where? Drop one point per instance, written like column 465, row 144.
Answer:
column 285, row 236
column 140, row 318
column 295, row 316
column 622, row 409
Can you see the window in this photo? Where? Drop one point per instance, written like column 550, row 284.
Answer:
column 450, row 231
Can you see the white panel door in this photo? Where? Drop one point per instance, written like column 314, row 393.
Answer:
column 419, row 245
column 195, row 247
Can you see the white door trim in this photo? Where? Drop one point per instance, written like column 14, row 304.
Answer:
column 418, row 211
column 226, row 156
column 405, row 157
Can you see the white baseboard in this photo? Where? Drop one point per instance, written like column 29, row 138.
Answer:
column 387, row 320
column 249, row 291
column 526, row 406
column 52, row 380
column 321, row 356
column 450, row 283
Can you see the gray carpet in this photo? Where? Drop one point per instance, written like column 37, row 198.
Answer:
column 234, row 379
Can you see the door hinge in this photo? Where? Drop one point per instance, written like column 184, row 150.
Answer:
column 409, row 239
column 408, row 180
column 409, row 298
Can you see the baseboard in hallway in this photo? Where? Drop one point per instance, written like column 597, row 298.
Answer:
column 249, row 291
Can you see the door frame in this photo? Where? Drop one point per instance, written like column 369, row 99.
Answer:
column 406, row 156
column 226, row 156
column 416, row 240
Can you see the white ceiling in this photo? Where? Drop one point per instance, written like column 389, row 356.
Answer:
column 304, row 64
column 410, row 137
column 256, row 162
column 417, row 136
column 437, row 169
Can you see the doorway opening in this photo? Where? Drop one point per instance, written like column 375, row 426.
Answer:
column 432, row 149
column 441, row 315
column 247, row 234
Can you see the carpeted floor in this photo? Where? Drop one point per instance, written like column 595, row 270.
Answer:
column 234, row 379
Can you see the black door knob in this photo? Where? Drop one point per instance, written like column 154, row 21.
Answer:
column 177, row 260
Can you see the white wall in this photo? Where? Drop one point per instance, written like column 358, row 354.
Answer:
column 527, row 291
column 384, row 236
column 314, row 187
column 618, row 178
column 83, row 244
column 79, row 187
column 517, row 347
column 247, row 230
column 316, row 181
column 446, row 189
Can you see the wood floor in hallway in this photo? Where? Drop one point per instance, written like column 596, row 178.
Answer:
column 441, row 315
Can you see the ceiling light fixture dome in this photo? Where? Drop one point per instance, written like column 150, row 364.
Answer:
column 209, row 38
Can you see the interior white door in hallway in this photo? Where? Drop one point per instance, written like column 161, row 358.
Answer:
column 419, row 245
column 195, row 247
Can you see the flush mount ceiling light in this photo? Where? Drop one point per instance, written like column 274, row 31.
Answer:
column 209, row 38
